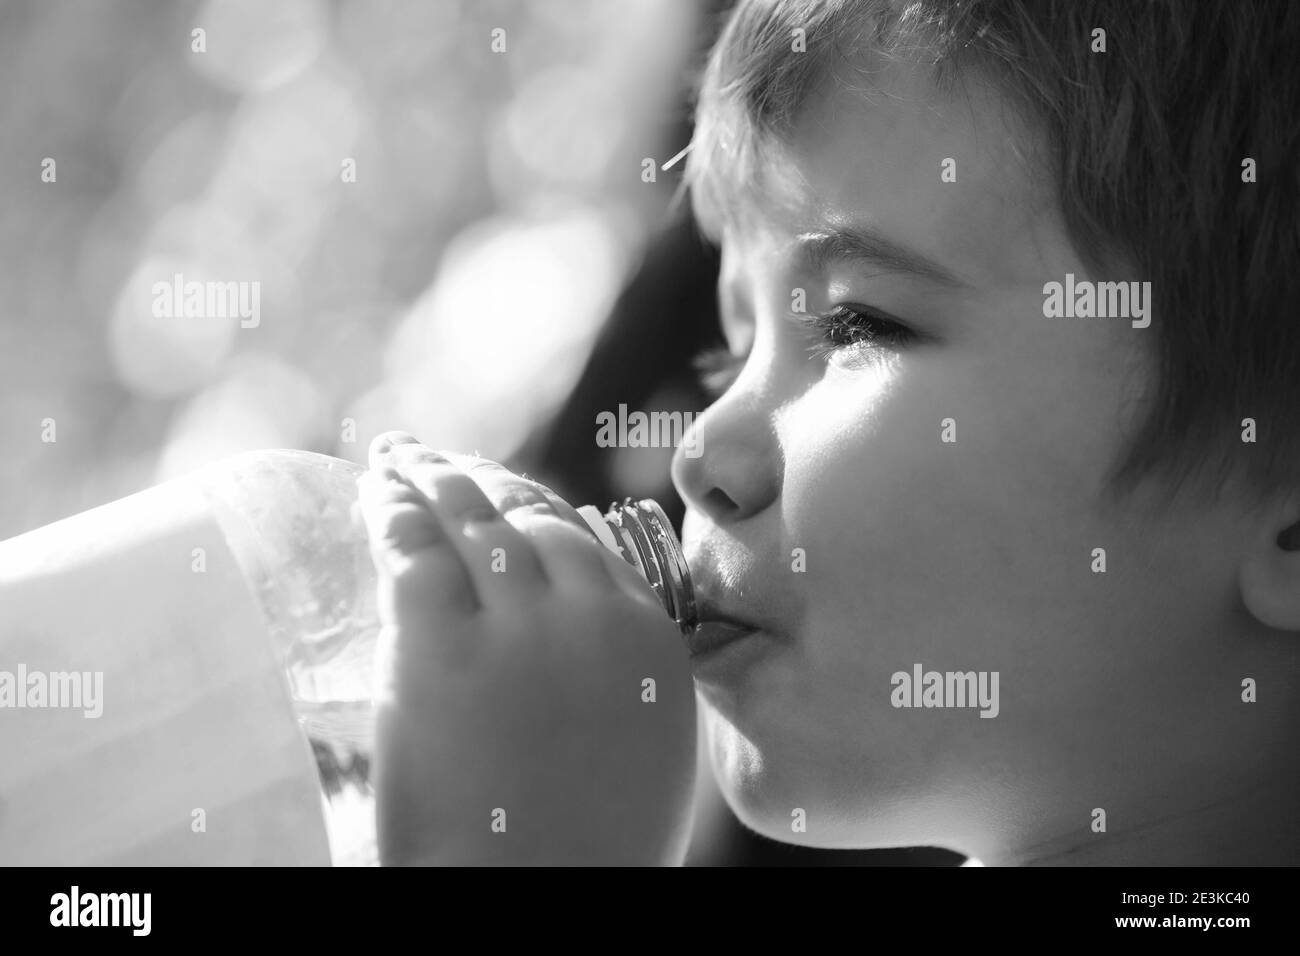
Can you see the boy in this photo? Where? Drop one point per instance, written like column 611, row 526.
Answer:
column 994, row 523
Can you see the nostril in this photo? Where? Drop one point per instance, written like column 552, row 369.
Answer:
column 718, row 502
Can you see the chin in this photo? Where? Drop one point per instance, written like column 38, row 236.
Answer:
column 764, row 791
column 768, row 808
column 764, row 786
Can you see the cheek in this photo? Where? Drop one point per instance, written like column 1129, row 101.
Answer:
column 993, row 440
column 864, row 470
column 914, row 533
column 864, row 480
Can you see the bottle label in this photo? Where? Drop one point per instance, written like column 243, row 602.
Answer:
column 599, row 528
column 195, row 756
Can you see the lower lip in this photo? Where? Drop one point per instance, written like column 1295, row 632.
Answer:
column 707, row 640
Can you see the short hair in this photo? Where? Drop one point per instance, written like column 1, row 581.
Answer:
column 1147, row 143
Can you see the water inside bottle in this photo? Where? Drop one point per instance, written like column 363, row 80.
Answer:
column 286, row 515
column 341, row 734
column 330, row 684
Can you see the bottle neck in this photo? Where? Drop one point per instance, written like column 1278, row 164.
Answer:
column 646, row 541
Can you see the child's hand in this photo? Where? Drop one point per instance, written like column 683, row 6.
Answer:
column 513, row 719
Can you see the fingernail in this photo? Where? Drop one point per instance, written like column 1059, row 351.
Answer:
column 387, row 440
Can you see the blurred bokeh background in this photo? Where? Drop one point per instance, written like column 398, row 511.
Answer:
column 454, row 289
column 443, row 205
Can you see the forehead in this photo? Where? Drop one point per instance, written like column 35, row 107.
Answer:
column 869, row 149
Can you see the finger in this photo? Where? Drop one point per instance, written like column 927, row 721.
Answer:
column 505, row 563
column 411, row 548
column 516, row 495
column 567, row 511
column 570, row 554
column 460, row 500
column 509, row 493
column 385, row 441
column 575, row 561
column 627, row 578
column 501, row 560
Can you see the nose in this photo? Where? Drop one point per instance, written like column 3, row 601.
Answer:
column 730, row 466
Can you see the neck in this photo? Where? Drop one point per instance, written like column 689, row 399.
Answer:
column 1254, row 825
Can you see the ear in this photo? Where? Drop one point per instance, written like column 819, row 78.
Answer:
column 1269, row 577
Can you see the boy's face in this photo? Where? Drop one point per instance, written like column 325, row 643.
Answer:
column 970, row 555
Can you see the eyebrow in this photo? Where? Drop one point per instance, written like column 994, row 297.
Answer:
column 826, row 247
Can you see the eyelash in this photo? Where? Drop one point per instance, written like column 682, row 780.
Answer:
column 843, row 327
column 849, row 327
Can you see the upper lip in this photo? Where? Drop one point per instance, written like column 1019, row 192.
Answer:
column 729, row 586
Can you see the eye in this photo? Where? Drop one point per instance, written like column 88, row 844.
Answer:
column 852, row 330
column 716, row 368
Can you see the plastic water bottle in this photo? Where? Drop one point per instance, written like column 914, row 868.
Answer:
column 285, row 568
